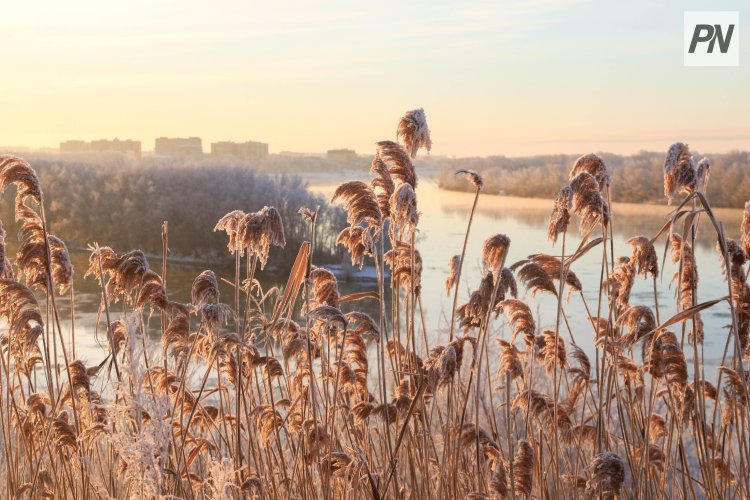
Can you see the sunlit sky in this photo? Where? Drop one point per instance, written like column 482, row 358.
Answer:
column 510, row 77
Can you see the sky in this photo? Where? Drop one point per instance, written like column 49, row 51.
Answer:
column 512, row 77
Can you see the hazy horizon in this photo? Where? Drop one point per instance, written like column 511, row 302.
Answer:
column 495, row 78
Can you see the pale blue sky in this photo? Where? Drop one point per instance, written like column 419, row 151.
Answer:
column 503, row 77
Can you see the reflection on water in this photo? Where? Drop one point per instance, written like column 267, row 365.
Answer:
column 442, row 227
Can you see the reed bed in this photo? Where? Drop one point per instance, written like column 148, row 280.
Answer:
column 281, row 394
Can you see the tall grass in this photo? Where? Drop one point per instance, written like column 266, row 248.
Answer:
column 279, row 394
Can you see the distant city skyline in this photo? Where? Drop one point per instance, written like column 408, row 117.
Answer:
column 511, row 77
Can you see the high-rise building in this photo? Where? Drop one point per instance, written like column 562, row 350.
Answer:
column 127, row 146
column 250, row 150
column 171, row 146
column 75, row 147
column 341, row 154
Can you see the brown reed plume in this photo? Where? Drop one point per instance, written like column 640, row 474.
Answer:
column 494, row 250
column 414, row 132
column 359, row 242
column 534, row 277
column 560, row 214
column 523, row 468
column 401, row 167
column 474, row 177
column 382, row 184
column 687, row 275
column 644, row 256
column 399, row 259
column 745, row 229
column 450, row 281
column 607, row 473
column 257, row 231
column 360, row 203
column 680, row 174
column 587, row 201
column 230, row 224
column 403, row 209
column 520, row 317
column 594, row 165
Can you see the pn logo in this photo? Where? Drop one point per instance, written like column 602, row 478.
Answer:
column 712, row 38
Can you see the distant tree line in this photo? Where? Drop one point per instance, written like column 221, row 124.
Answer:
column 637, row 178
column 120, row 202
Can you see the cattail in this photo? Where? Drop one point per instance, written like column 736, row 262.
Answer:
column 205, row 289
column 644, row 256
column 360, row 203
column 474, row 177
column 413, row 130
column 402, row 168
column 594, row 165
column 679, row 172
column 523, row 468
column 358, row 241
column 560, row 214
column 607, row 473
column 494, row 251
column 520, row 317
column 230, row 224
column 450, row 281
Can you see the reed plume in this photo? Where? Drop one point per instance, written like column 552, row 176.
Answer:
column 680, row 174
column 474, row 177
column 607, row 473
column 644, row 256
column 360, row 203
column 414, row 132
column 560, row 214
column 594, row 165
column 587, row 201
column 359, row 242
column 401, row 167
